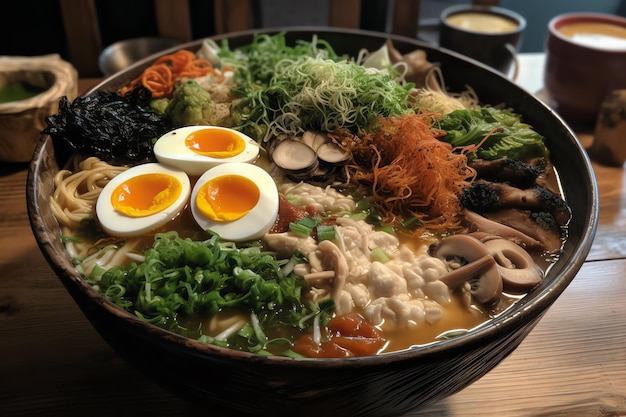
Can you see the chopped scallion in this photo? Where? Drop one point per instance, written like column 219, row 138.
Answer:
column 325, row 233
column 303, row 227
column 379, row 255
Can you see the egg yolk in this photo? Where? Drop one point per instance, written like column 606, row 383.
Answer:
column 215, row 143
column 145, row 194
column 227, row 197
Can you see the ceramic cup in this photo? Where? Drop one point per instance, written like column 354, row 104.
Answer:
column 585, row 62
column 488, row 34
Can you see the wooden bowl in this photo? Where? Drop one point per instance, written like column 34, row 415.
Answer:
column 239, row 383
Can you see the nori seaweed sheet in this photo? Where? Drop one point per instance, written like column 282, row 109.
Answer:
column 107, row 125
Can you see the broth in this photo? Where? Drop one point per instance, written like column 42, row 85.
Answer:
column 455, row 316
column 596, row 34
column 482, row 22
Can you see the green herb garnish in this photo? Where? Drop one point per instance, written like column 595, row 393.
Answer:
column 290, row 89
column 508, row 136
column 181, row 278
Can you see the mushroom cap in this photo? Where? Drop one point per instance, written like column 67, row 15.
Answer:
column 330, row 153
column 294, row 157
column 479, row 267
column 516, row 266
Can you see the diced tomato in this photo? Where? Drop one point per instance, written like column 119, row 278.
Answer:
column 305, row 345
column 287, row 213
column 359, row 346
column 350, row 335
column 352, row 324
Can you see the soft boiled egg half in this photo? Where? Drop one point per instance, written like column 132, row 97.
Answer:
column 141, row 199
column 195, row 149
column 238, row 201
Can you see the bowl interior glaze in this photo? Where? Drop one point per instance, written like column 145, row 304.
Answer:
column 390, row 384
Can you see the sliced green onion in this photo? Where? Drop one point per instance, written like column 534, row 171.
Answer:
column 65, row 239
column 258, row 333
column 326, row 304
column 291, row 354
column 97, row 272
column 298, row 257
column 411, row 223
column 387, row 229
column 303, row 227
column 325, row 233
column 361, row 215
column 373, row 218
column 379, row 255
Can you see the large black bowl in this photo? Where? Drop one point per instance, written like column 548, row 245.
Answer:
column 391, row 384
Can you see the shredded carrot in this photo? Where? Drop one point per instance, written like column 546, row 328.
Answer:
column 161, row 76
column 411, row 173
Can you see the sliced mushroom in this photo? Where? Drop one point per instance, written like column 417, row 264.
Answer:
column 313, row 157
column 334, row 259
column 332, row 154
column 320, row 277
column 314, row 139
column 479, row 268
column 458, row 276
column 323, row 175
column 517, row 268
column 295, row 158
column 460, row 246
column 479, row 223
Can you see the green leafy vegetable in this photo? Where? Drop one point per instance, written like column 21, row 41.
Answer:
column 508, row 136
column 180, row 278
column 191, row 104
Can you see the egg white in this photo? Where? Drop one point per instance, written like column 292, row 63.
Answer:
column 258, row 221
column 170, row 149
column 120, row 225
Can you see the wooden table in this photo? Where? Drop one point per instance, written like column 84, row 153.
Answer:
column 53, row 363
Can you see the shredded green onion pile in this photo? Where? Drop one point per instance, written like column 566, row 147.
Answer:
column 256, row 62
column 181, row 278
column 289, row 89
column 314, row 93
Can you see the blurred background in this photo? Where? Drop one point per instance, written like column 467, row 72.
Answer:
column 40, row 29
